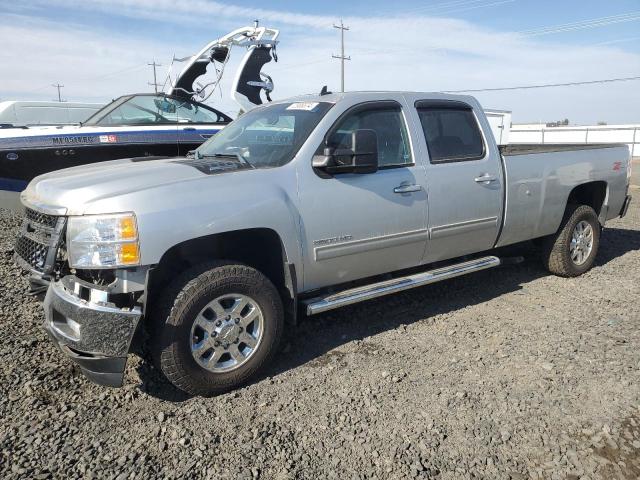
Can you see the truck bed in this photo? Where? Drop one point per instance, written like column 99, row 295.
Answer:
column 540, row 178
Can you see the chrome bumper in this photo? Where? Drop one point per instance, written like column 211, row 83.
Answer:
column 95, row 336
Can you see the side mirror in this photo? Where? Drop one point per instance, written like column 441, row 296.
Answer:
column 362, row 157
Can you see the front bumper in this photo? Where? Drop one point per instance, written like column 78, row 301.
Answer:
column 96, row 336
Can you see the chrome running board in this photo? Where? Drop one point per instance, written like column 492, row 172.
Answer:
column 360, row 294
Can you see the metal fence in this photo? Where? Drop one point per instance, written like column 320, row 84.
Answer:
column 628, row 134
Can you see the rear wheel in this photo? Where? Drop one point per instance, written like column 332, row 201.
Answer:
column 219, row 326
column 573, row 249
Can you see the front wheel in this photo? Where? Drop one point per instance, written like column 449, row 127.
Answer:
column 573, row 249
column 219, row 326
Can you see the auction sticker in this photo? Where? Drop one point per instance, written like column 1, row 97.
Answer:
column 307, row 106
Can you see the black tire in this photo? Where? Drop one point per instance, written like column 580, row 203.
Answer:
column 556, row 254
column 185, row 298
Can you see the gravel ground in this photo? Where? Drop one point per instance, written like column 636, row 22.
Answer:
column 505, row 374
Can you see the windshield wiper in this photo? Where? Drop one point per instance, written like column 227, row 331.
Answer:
column 235, row 156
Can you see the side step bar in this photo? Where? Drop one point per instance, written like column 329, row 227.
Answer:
column 359, row 294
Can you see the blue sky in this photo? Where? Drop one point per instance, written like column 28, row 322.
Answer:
column 99, row 49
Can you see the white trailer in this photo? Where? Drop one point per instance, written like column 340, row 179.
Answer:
column 500, row 122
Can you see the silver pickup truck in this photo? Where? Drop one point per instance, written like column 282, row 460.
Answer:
column 299, row 206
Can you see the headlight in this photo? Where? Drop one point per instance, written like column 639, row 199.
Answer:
column 101, row 241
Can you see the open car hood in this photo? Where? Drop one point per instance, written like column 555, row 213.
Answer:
column 249, row 82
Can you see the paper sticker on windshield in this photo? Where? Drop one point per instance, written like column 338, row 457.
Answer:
column 108, row 139
column 307, row 106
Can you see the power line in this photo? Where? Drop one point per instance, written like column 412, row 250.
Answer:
column 442, row 5
column 92, row 78
column 58, row 86
column 116, row 72
column 611, row 42
column 342, row 58
column 446, row 7
column 155, row 81
column 548, row 85
column 38, row 89
column 592, row 23
column 473, row 7
column 304, row 64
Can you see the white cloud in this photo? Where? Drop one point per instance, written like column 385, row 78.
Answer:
column 414, row 52
column 191, row 11
column 36, row 53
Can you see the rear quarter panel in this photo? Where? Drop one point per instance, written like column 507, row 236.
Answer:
column 538, row 187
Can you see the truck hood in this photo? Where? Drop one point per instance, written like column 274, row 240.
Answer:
column 71, row 190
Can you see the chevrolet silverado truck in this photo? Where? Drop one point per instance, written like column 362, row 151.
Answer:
column 297, row 207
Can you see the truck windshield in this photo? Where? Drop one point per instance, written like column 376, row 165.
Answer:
column 267, row 136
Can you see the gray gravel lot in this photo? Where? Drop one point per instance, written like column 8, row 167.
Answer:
column 506, row 374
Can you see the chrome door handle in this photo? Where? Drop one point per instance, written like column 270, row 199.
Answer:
column 407, row 188
column 486, row 178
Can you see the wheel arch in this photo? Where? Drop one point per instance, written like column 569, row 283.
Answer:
column 260, row 248
column 594, row 194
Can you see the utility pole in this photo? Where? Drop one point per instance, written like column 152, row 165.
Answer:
column 342, row 58
column 155, row 81
column 58, row 86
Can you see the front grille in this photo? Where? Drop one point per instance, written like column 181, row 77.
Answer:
column 43, row 219
column 38, row 240
column 32, row 252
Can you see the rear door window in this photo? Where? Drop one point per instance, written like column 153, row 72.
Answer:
column 452, row 134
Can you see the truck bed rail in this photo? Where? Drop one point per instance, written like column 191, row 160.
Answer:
column 527, row 149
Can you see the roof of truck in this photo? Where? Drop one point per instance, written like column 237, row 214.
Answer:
column 334, row 97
